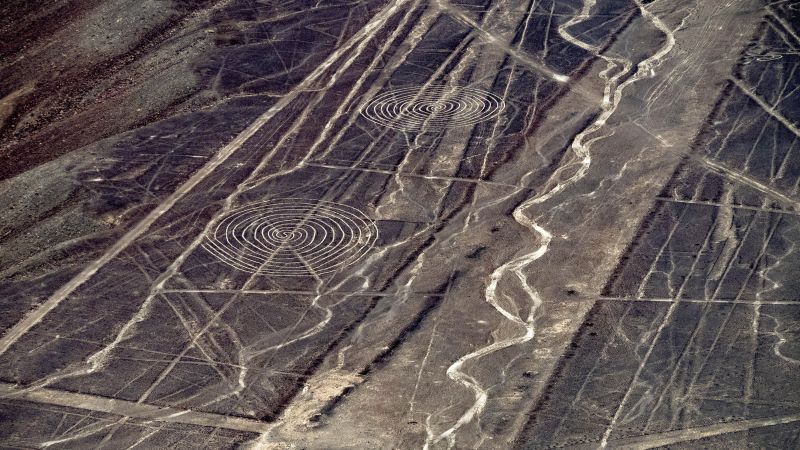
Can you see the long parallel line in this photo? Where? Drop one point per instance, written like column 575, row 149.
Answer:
column 128, row 408
column 698, row 300
column 694, row 434
column 716, row 204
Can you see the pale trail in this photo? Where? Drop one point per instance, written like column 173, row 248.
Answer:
column 580, row 146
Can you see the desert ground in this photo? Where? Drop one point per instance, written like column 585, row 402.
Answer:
column 400, row 224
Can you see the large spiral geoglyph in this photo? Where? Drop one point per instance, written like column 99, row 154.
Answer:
column 432, row 107
column 292, row 237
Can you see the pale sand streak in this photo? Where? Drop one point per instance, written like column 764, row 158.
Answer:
column 747, row 180
column 769, row 109
column 693, row 434
column 35, row 316
column 522, row 57
column 133, row 409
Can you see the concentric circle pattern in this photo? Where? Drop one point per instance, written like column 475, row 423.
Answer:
column 292, row 237
column 433, row 107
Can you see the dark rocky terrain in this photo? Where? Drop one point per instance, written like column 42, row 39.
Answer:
column 438, row 224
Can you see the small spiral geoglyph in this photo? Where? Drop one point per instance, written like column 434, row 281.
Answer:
column 292, row 237
column 432, row 107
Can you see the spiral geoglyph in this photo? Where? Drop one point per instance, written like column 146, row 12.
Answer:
column 432, row 107
column 292, row 237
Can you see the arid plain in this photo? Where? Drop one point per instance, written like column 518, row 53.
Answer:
column 398, row 224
